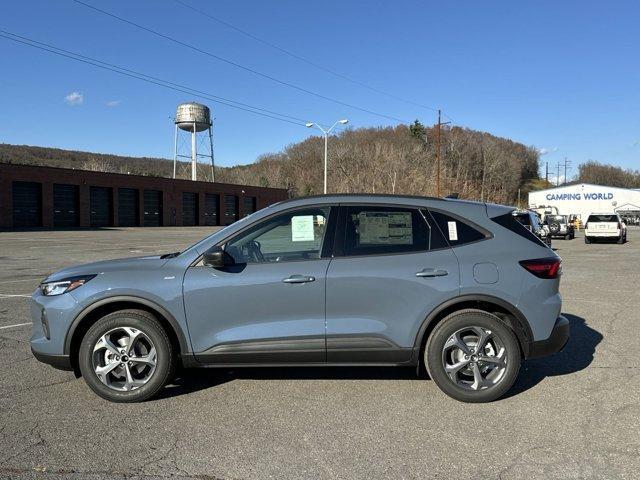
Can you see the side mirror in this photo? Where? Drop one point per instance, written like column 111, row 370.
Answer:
column 216, row 257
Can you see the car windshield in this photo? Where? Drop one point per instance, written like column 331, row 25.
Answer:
column 556, row 218
column 603, row 218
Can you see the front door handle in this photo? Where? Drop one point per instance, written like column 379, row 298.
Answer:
column 299, row 279
column 432, row 272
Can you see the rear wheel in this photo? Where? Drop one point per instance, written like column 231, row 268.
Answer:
column 126, row 356
column 472, row 356
column 587, row 239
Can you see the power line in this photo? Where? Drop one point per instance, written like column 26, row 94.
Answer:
column 301, row 58
column 149, row 79
column 235, row 64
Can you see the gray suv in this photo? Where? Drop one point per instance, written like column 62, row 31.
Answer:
column 458, row 287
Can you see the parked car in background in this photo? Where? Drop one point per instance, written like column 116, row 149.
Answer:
column 605, row 226
column 459, row 287
column 531, row 221
column 560, row 226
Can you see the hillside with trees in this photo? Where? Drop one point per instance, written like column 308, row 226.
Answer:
column 601, row 174
column 399, row 160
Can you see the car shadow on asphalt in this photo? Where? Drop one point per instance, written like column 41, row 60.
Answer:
column 576, row 355
column 193, row 380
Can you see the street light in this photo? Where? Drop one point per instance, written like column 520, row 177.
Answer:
column 326, row 139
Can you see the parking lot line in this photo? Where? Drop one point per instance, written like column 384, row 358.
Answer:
column 7, row 295
column 15, row 326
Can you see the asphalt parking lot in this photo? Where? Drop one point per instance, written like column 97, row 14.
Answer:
column 573, row 415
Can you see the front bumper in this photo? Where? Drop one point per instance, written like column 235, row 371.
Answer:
column 556, row 341
column 61, row 362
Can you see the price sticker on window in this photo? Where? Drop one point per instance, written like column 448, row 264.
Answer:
column 453, row 231
column 302, row 228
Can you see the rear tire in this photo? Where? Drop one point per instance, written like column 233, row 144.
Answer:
column 467, row 374
column 621, row 240
column 587, row 239
column 126, row 356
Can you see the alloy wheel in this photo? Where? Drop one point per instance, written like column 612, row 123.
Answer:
column 124, row 358
column 474, row 358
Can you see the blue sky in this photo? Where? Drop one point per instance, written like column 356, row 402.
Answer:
column 562, row 76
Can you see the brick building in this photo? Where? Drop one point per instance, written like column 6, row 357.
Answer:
column 33, row 196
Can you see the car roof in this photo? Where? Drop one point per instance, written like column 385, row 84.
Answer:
column 372, row 197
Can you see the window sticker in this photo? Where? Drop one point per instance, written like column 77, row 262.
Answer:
column 387, row 228
column 453, row 231
column 302, row 228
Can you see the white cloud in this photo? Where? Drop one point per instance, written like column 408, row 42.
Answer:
column 113, row 103
column 74, row 98
column 544, row 151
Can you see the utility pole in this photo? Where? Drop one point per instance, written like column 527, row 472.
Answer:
column 558, row 175
column 546, row 174
column 438, row 153
column 566, row 162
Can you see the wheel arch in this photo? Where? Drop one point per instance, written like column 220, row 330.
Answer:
column 91, row 314
column 507, row 312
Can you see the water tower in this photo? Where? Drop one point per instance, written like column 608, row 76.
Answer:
column 194, row 118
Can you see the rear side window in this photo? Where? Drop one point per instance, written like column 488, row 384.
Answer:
column 380, row 230
column 455, row 231
column 603, row 218
column 510, row 222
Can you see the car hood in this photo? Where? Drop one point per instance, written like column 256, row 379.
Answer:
column 119, row 264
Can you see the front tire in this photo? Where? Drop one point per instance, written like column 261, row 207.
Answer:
column 473, row 356
column 126, row 356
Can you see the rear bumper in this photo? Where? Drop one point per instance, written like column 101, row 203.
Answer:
column 61, row 362
column 597, row 234
column 556, row 341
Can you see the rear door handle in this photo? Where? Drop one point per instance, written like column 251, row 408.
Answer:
column 432, row 272
column 299, row 279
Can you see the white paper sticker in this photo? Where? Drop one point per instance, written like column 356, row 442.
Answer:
column 453, row 231
column 302, row 228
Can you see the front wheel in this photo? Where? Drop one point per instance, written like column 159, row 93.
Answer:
column 126, row 356
column 473, row 356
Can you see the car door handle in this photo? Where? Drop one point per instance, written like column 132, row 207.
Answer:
column 299, row 279
column 432, row 272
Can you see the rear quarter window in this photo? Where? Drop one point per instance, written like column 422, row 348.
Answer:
column 456, row 231
column 510, row 222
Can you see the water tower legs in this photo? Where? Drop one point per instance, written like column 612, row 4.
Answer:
column 194, row 154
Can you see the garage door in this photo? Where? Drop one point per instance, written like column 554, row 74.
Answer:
column 65, row 205
column 230, row 209
column 211, row 204
column 128, row 207
column 101, row 206
column 27, row 204
column 249, row 205
column 189, row 209
column 152, row 208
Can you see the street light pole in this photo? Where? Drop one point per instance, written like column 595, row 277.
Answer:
column 326, row 142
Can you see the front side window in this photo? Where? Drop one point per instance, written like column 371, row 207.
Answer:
column 291, row 236
column 371, row 230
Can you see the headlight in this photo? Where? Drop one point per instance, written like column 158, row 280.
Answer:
column 63, row 286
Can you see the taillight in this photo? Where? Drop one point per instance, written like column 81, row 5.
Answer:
column 585, row 225
column 543, row 267
column 619, row 225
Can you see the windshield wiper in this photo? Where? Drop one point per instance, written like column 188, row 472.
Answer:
column 170, row 255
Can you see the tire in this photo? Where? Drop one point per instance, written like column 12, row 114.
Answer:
column 437, row 353
column 145, row 377
column 587, row 239
column 621, row 240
